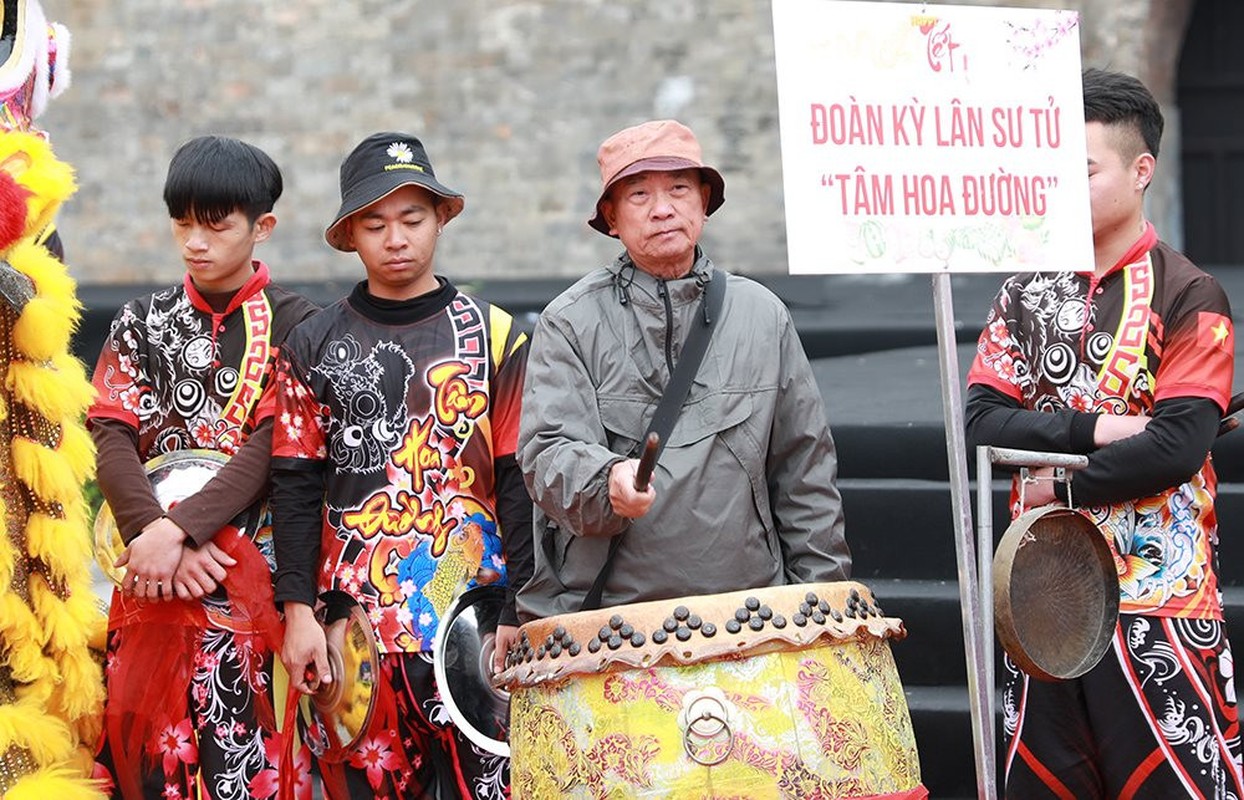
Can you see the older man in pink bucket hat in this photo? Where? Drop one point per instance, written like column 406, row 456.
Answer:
column 664, row 589
column 671, row 585
column 744, row 493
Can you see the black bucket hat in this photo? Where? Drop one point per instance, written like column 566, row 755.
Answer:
column 380, row 165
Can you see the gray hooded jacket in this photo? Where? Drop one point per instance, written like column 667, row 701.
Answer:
column 745, row 488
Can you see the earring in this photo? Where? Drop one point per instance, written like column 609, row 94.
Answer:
column 439, row 228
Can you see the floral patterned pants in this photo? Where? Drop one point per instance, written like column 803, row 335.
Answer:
column 423, row 750
column 219, row 744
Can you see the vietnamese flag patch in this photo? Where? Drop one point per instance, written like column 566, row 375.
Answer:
column 1199, row 360
column 1215, row 331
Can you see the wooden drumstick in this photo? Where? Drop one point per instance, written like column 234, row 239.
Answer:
column 647, row 462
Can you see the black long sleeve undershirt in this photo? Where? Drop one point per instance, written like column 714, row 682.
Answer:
column 297, row 505
column 517, row 539
column 1167, row 453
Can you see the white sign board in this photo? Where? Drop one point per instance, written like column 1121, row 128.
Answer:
column 923, row 138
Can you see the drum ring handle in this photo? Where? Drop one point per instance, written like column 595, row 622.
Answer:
column 695, row 728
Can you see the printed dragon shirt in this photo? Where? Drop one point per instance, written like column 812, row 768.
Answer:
column 186, row 377
column 409, row 418
column 1153, row 328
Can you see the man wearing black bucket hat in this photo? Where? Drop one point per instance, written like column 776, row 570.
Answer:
column 393, row 459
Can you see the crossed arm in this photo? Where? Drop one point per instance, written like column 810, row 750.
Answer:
column 1128, row 456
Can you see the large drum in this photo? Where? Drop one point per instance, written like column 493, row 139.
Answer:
column 783, row 692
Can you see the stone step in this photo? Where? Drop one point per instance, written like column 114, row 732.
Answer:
column 904, row 528
column 899, row 528
column 933, row 652
column 942, row 723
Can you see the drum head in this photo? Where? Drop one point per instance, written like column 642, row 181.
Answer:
column 174, row 477
column 335, row 718
column 1056, row 593
column 463, row 666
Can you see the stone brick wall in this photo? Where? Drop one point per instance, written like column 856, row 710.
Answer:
column 511, row 98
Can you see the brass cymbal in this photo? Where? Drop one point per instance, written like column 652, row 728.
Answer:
column 174, row 477
column 336, row 717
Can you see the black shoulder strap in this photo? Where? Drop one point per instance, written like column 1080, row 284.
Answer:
column 670, row 407
column 693, row 350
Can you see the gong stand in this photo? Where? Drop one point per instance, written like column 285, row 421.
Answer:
column 975, row 594
column 986, row 457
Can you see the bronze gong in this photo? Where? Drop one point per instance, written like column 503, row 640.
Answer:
column 1056, row 593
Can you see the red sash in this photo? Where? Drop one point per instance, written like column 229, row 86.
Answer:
column 153, row 662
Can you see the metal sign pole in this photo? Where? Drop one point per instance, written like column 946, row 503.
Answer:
column 979, row 688
column 984, row 566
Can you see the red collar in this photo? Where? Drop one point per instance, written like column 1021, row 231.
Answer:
column 254, row 284
column 1148, row 239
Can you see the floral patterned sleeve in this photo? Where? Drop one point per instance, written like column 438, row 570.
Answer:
column 299, row 431
column 999, row 361
column 122, row 385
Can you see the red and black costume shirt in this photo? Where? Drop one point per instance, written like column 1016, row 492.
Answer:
column 183, row 371
column 1152, row 336
column 409, row 411
column 185, row 376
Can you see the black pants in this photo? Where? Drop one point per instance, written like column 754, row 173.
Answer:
column 1157, row 718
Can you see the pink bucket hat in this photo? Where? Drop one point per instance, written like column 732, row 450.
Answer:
column 662, row 146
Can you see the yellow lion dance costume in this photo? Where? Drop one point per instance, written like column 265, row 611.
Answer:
column 51, row 690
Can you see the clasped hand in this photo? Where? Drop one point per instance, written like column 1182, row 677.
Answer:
column 160, row 565
column 151, row 560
